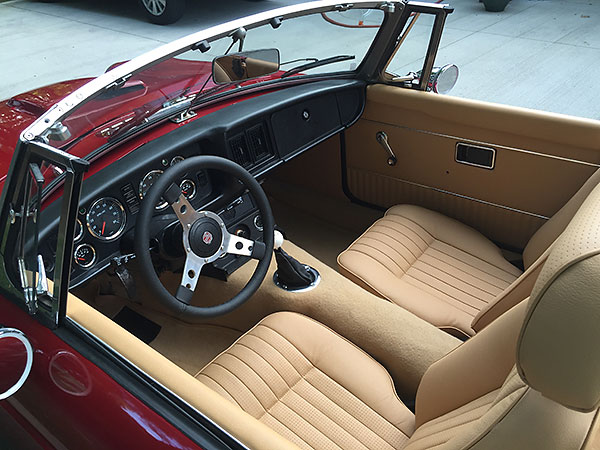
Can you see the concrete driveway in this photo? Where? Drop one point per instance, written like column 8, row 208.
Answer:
column 42, row 43
column 542, row 54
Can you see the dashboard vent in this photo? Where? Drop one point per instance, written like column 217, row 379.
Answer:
column 239, row 150
column 257, row 143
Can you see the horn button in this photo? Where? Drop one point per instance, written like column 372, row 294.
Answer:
column 206, row 237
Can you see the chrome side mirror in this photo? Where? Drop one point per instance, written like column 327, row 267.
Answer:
column 16, row 359
column 441, row 81
column 443, row 78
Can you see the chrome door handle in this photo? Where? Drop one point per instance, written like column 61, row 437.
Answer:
column 382, row 138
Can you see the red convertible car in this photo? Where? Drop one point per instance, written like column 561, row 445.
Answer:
column 275, row 234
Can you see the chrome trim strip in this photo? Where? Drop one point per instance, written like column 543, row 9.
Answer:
column 77, row 98
column 485, row 202
column 497, row 146
column 19, row 335
column 490, row 149
column 39, row 427
column 208, row 419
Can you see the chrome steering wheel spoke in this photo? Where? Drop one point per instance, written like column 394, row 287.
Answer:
column 189, row 278
column 204, row 237
column 184, row 211
column 237, row 245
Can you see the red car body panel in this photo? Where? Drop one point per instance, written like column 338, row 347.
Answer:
column 79, row 405
column 18, row 433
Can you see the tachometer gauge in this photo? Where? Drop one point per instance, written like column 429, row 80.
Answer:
column 147, row 182
column 85, row 255
column 106, row 219
column 188, row 188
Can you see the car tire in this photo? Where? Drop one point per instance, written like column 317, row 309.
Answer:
column 163, row 12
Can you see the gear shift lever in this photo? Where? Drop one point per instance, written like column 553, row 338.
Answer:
column 278, row 240
column 291, row 274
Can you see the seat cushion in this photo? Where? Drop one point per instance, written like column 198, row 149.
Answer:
column 311, row 385
column 436, row 267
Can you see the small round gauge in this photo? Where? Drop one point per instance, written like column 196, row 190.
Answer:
column 188, row 188
column 147, row 182
column 78, row 231
column 177, row 159
column 85, row 255
column 106, row 219
column 258, row 223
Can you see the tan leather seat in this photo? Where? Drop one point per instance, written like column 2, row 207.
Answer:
column 311, row 385
column 444, row 271
column 434, row 266
column 529, row 380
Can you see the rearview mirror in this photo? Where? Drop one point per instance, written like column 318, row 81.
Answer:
column 245, row 65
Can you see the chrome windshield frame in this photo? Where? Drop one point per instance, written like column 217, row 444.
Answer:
column 90, row 90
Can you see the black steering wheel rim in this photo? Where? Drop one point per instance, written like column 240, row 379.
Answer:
column 147, row 211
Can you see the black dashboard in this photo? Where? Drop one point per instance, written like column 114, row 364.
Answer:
column 259, row 134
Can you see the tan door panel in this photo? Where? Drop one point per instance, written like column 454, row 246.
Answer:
column 541, row 159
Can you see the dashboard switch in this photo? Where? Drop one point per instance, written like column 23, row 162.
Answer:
column 131, row 199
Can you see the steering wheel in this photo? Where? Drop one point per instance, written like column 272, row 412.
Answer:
column 205, row 237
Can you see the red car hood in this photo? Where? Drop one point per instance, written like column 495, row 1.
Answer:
column 20, row 111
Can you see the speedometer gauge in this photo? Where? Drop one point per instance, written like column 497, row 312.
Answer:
column 106, row 219
column 147, row 182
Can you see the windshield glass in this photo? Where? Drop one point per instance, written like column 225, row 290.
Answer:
column 313, row 44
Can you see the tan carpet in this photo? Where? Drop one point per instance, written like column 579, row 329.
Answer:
column 322, row 225
column 321, row 239
column 191, row 347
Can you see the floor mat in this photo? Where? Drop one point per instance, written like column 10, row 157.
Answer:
column 138, row 325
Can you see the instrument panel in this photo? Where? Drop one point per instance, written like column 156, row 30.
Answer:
column 106, row 219
column 259, row 134
column 106, row 224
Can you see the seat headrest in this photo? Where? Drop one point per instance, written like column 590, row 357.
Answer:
column 558, row 352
